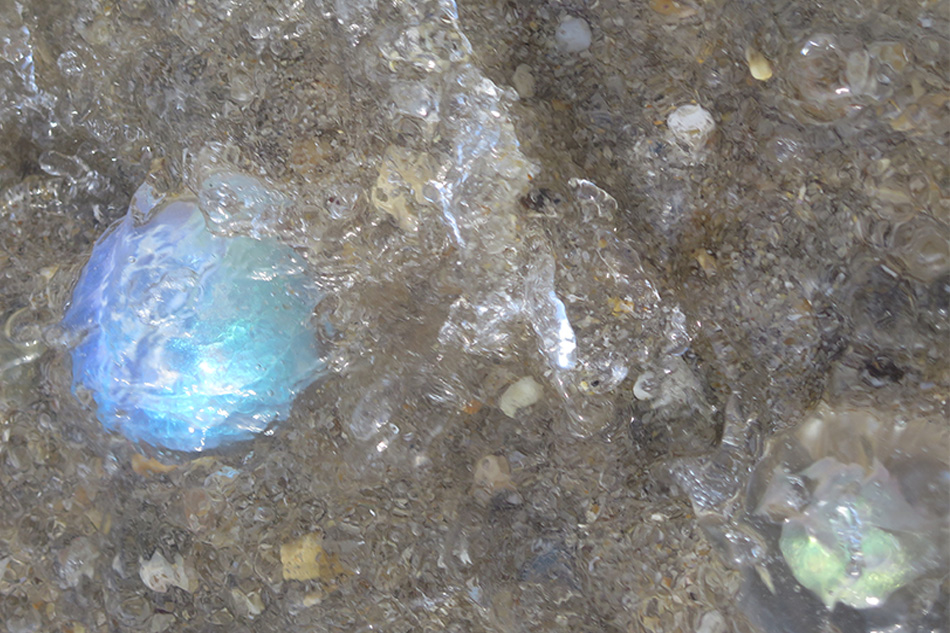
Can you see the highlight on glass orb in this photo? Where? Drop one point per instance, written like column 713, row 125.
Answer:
column 191, row 340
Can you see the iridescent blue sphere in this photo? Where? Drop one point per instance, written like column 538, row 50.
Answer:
column 192, row 340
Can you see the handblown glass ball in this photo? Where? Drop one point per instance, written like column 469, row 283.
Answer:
column 192, row 340
column 846, row 546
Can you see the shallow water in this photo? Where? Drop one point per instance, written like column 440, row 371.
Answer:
column 602, row 282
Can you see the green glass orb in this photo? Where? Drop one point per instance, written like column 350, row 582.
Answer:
column 823, row 567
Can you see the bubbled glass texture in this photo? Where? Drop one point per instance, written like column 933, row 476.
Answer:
column 191, row 340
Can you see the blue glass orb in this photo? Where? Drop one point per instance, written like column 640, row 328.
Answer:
column 192, row 340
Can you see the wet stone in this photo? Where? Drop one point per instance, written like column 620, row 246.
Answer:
column 475, row 317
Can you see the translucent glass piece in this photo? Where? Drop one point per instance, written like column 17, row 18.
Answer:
column 192, row 340
column 845, row 546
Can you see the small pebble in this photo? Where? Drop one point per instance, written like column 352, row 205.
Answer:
column 759, row 66
column 299, row 558
column 492, row 475
column 159, row 575
column 692, row 125
column 573, row 35
column 523, row 393
column 523, row 81
column 673, row 9
column 250, row 603
column 642, row 387
column 305, row 559
column 711, row 622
